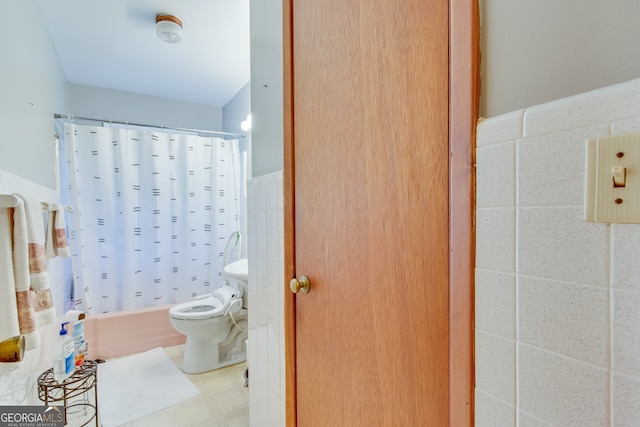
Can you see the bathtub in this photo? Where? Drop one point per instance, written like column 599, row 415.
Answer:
column 130, row 331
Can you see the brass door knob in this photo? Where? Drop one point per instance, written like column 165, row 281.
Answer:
column 300, row 285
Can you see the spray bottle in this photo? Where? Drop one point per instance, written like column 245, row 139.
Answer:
column 63, row 355
column 80, row 348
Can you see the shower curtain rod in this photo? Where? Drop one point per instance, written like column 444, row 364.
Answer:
column 71, row 117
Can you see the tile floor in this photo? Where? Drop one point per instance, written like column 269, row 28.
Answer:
column 223, row 400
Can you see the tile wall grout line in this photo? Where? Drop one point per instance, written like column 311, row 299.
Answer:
column 517, row 271
column 610, row 295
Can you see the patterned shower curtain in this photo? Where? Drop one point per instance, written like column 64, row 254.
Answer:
column 153, row 212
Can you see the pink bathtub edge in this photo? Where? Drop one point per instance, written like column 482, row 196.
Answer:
column 132, row 331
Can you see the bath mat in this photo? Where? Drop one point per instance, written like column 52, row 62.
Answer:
column 138, row 385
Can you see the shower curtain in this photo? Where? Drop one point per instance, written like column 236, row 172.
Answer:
column 153, row 211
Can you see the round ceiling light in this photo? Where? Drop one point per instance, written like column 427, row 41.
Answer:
column 168, row 28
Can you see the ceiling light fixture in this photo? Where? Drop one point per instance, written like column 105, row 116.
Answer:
column 168, row 28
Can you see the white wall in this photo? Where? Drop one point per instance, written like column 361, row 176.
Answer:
column 99, row 103
column 32, row 88
column 235, row 112
column 539, row 50
column 557, row 298
column 266, row 86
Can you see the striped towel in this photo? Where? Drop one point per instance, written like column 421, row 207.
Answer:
column 33, row 292
column 56, row 244
column 9, row 324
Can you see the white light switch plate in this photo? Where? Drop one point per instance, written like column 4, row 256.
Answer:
column 603, row 201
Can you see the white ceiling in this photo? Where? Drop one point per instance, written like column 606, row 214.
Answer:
column 112, row 44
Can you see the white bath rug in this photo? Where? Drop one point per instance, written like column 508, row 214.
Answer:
column 138, row 385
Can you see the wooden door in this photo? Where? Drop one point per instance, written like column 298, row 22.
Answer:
column 368, row 216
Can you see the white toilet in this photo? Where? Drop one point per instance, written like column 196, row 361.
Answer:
column 215, row 324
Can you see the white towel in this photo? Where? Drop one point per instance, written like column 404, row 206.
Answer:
column 49, row 244
column 62, row 246
column 56, row 244
column 28, row 217
column 9, row 325
column 22, row 279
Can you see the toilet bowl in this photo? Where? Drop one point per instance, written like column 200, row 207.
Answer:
column 216, row 329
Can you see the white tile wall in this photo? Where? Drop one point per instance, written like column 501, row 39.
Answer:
column 556, row 243
column 625, row 409
column 491, row 412
column 583, row 312
column 557, row 298
column 495, row 239
column 266, row 301
column 495, row 367
column 547, row 176
column 561, row 391
column 496, row 289
column 494, row 166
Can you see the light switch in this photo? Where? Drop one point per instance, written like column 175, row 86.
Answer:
column 612, row 180
column 619, row 174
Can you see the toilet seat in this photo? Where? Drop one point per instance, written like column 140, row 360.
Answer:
column 199, row 309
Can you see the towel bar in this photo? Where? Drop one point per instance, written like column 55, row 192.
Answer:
column 11, row 201
column 45, row 206
column 8, row 201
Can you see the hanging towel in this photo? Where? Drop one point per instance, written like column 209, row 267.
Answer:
column 49, row 244
column 20, row 271
column 62, row 247
column 56, row 244
column 29, row 251
column 9, row 325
